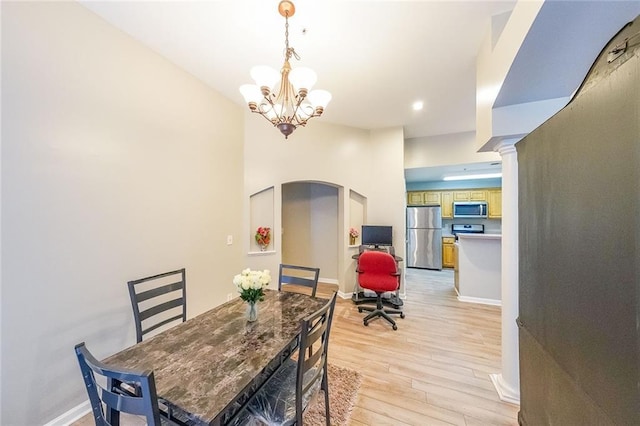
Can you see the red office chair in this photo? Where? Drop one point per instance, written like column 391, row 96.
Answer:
column 377, row 271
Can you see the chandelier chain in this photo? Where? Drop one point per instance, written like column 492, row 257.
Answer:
column 288, row 51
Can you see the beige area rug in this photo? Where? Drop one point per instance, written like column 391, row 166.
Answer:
column 344, row 384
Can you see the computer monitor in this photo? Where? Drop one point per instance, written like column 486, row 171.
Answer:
column 376, row 235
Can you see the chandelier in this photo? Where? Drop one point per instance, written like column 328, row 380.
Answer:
column 294, row 103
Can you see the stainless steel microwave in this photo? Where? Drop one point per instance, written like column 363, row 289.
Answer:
column 471, row 209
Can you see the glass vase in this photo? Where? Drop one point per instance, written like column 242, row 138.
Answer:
column 252, row 311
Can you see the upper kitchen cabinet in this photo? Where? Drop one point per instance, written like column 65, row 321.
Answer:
column 494, row 199
column 415, row 198
column 447, row 204
column 420, row 198
column 432, row 198
column 477, row 195
column 470, row 195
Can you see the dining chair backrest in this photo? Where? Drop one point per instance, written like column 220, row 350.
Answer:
column 283, row 399
column 312, row 356
column 293, row 275
column 120, row 390
column 158, row 300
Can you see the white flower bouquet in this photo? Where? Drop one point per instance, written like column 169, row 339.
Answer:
column 251, row 284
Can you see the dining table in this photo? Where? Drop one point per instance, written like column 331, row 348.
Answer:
column 207, row 368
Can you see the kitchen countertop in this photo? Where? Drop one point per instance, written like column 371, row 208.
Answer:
column 480, row 236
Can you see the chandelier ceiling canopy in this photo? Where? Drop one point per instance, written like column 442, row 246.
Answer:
column 293, row 103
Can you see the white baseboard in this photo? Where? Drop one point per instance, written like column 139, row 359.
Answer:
column 480, row 300
column 505, row 393
column 328, row 281
column 345, row 295
column 75, row 414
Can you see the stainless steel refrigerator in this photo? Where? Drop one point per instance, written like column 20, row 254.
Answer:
column 424, row 237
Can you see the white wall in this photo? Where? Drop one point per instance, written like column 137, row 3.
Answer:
column 370, row 163
column 115, row 165
column 325, row 230
column 296, row 224
column 444, row 150
column 387, row 207
column 494, row 61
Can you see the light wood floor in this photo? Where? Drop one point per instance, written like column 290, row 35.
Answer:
column 434, row 369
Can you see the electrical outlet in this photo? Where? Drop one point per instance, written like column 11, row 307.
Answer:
column 229, row 296
column 229, row 240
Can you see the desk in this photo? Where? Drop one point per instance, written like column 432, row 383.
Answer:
column 207, row 367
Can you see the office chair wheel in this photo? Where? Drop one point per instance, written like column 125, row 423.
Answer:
column 402, row 316
column 360, row 310
column 395, row 327
column 366, row 323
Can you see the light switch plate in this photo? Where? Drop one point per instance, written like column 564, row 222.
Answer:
column 229, row 240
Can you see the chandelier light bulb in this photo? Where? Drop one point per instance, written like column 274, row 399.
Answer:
column 319, row 98
column 251, row 93
column 303, row 78
column 265, row 76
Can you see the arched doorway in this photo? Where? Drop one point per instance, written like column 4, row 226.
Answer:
column 312, row 226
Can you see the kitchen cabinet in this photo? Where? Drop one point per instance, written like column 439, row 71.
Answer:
column 461, row 196
column 470, row 195
column 446, row 198
column 432, row 198
column 420, row 198
column 494, row 199
column 415, row 198
column 478, row 195
column 448, row 257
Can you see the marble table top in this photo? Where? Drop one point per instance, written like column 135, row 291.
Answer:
column 203, row 364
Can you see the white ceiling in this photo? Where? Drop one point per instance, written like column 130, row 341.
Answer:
column 432, row 174
column 563, row 42
column 375, row 57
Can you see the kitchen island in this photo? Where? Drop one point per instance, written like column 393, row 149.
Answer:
column 478, row 270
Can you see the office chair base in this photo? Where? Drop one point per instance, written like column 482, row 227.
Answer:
column 379, row 311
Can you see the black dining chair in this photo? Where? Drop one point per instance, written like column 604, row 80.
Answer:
column 286, row 396
column 121, row 391
column 291, row 276
column 158, row 300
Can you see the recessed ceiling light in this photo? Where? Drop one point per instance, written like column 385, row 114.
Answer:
column 418, row 105
column 478, row 176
